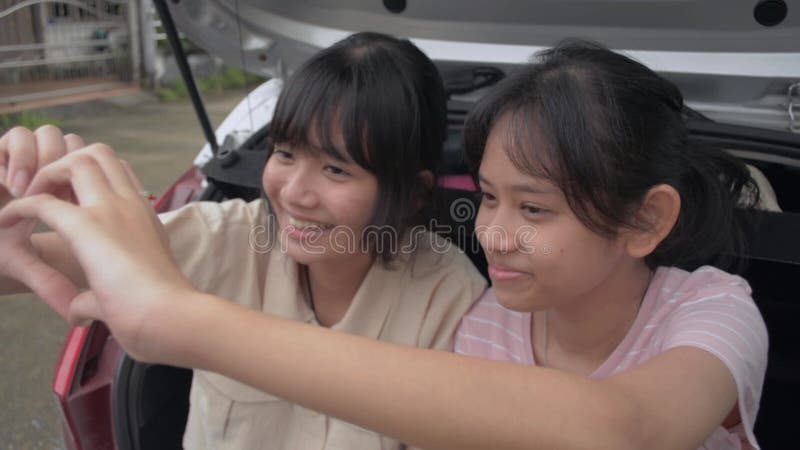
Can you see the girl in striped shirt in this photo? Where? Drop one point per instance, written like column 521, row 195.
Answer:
column 606, row 231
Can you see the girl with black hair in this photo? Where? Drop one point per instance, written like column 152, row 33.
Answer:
column 338, row 240
column 601, row 226
column 622, row 278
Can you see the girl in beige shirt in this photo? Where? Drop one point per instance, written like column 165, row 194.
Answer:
column 338, row 240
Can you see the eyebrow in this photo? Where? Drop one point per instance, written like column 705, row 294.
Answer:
column 526, row 188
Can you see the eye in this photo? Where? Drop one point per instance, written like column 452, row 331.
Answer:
column 486, row 197
column 532, row 210
column 335, row 170
column 283, row 154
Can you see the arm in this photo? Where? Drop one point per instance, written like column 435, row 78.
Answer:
column 441, row 400
column 432, row 399
column 428, row 398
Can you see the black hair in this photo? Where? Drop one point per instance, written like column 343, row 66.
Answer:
column 605, row 129
column 388, row 100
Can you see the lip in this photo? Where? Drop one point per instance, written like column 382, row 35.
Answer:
column 504, row 273
column 304, row 234
column 307, row 233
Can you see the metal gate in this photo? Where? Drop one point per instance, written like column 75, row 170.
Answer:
column 56, row 52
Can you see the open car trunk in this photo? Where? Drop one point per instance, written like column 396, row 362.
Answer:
column 740, row 89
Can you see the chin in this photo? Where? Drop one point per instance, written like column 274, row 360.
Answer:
column 515, row 299
column 303, row 254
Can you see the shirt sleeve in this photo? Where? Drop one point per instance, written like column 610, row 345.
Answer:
column 723, row 320
column 209, row 239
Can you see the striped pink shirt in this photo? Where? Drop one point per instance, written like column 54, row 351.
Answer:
column 708, row 309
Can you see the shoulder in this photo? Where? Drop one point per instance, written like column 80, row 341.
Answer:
column 432, row 259
column 705, row 296
column 434, row 284
column 706, row 279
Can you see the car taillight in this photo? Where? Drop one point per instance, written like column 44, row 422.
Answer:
column 63, row 379
column 82, row 384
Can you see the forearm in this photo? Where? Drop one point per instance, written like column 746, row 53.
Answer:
column 428, row 398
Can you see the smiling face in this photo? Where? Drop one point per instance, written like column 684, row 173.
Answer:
column 540, row 254
column 321, row 204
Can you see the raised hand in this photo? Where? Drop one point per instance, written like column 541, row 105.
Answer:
column 22, row 154
column 112, row 232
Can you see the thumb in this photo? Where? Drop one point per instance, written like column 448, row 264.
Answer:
column 83, row 309
column 55, row 289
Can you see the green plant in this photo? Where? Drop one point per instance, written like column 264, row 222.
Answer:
column 228, row 78
column 27, row 119
column 172, row 93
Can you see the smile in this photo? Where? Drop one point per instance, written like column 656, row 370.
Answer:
column 305, row 224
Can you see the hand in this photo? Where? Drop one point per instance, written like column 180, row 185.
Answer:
column 22, row 154
column 116, row 237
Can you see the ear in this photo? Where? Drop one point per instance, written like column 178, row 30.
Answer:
column 657, row 216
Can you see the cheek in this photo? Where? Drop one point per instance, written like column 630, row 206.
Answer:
column 357, row 201
column 270, row 180
column 357, row 209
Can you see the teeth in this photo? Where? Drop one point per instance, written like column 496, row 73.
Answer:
column 303, row 224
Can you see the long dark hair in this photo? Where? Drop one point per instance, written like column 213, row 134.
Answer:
column 388, row 100
column 606, row 129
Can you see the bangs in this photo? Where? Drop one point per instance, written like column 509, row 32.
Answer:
column 317, row 113
column 527, row 146
column 351, row 106
column 524, row 133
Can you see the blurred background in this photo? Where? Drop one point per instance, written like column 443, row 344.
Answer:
column 101, row 69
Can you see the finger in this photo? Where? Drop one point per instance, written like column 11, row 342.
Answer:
column 21, row 151
column 55, row 289
column 132, row 175
column 50, row 145
column 83, row 309
column 91, row 163
column 121, row 178
column 74, row 142
column 77, row 170
column 61, row 216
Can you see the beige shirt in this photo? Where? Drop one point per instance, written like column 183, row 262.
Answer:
column 224, row 249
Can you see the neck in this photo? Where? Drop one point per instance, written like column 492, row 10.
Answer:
column 584, row 333
column 334, row 284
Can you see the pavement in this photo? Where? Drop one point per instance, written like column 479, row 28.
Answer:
column 160, row 141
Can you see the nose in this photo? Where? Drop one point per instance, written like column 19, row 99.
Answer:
column 495, row 232
column 300, row 189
